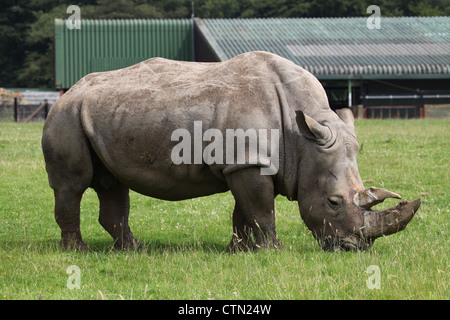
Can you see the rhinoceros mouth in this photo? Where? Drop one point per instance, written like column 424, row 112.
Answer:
column 348, row 243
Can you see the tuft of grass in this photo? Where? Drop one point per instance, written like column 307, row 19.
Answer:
column 185, row 241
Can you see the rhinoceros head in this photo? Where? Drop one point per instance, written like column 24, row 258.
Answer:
column 333, row 202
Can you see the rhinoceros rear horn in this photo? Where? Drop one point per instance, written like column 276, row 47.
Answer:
column 311, row 129
column 373, row 196
column 389, row 221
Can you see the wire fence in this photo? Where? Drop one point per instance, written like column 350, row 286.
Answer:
column 24, row 112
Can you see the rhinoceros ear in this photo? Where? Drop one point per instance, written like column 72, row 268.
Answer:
column 311, row 129
column 346, row 115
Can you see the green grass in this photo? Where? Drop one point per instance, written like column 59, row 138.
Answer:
column 185, row 256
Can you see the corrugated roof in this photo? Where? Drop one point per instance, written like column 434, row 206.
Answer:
column 341, row 48
column 101, row 45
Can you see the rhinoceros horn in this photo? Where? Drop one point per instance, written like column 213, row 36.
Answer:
column 373, row 196
column 384, row 222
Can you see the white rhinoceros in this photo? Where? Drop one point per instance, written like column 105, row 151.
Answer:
column 158, row 127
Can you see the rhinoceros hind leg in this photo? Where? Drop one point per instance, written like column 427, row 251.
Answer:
column 67, row 215
column 69, row 168
column 114, row 209
column 254, row 195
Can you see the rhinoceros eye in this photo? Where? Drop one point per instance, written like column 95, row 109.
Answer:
column 335, row 201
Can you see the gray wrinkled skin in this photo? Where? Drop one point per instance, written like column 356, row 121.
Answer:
column 112, row 132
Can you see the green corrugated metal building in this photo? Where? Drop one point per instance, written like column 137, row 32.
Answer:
column 102, row 45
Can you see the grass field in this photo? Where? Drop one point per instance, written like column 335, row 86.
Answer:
column 185, row 241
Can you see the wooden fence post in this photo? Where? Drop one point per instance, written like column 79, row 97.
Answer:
column 16, row 110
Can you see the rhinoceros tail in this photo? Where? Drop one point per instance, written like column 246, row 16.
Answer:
column 66, row 149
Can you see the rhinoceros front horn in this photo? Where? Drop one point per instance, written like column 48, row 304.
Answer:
column 384, row 222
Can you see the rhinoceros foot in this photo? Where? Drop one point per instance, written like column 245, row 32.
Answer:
column 128, row 242
column 240, row 244
column 247, row 244
column 269, row 241
column 73, row 241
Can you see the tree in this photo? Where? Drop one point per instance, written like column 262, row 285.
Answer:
column 37, row 70
column 14, row 23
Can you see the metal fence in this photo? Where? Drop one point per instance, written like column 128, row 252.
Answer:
column 24, row 112
column 399, row 106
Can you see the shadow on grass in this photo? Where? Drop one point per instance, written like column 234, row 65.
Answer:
column 159, row 247
column 154, row 247
column 107, row 246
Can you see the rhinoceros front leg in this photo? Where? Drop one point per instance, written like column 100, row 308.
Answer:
column 242, row 233
column 254, row 195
